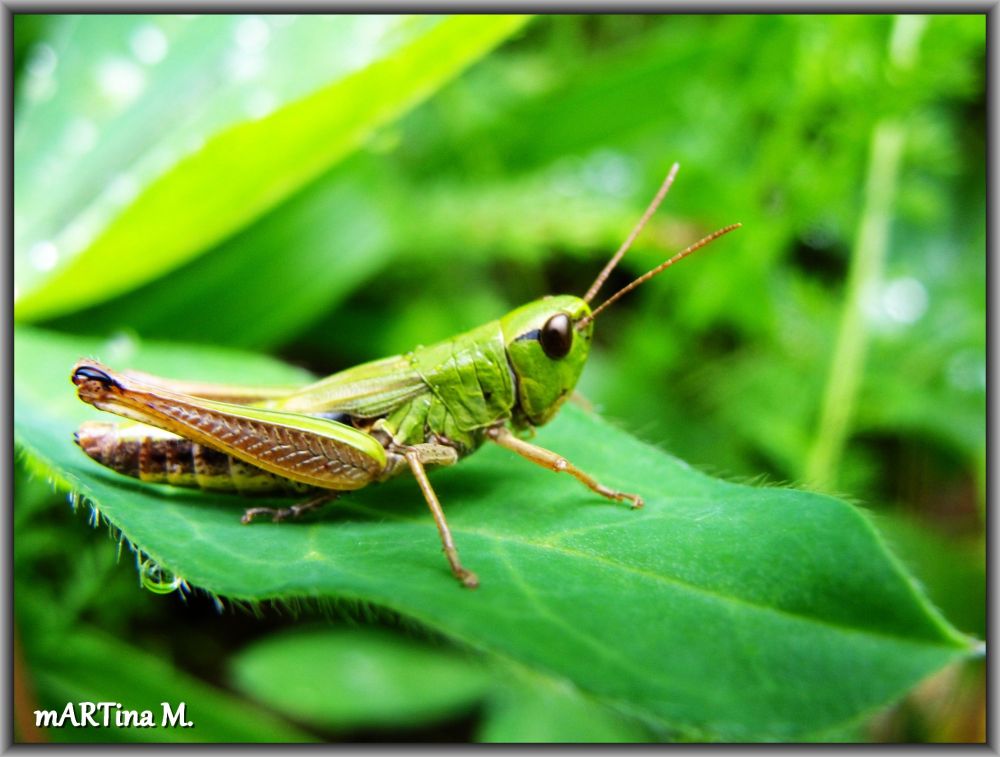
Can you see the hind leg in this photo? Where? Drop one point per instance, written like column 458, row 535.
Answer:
column 278, row 514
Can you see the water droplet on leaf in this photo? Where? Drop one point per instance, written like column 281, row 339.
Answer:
column 157, row 579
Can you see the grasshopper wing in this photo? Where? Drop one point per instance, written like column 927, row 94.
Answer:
column 314, row 451
column 237, row 394
column 369, row 390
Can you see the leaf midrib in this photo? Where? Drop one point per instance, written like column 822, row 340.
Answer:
column 696, row 589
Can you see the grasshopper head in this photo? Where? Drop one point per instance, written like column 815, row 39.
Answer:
column 547, row 341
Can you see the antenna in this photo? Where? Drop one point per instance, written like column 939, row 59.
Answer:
column 603, row 275
column 661, row 267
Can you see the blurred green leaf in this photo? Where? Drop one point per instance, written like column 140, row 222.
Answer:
column 62, row 573
column 261, row 285
column 88, row 666
column 244, row 166
column 357, row 678
column 549, row 712
column 721, row 610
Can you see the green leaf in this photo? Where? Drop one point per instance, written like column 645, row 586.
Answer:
column 544, row 712
column 951, row 569
column 290, row 264
column 344, row 679
column 88, row 666
column 720, row 611
column 246, row 164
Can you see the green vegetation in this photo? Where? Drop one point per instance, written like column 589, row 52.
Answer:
column 261, row 199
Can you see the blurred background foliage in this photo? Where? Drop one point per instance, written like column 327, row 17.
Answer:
column 808, row 348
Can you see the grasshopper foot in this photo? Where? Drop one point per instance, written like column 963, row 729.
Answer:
column 277, row 514
column 635, row 499
column 294, row 512
column 467, row 578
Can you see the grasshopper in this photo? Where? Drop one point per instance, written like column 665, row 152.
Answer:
column 429, row 407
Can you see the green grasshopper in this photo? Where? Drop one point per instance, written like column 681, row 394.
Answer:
column 431, row 406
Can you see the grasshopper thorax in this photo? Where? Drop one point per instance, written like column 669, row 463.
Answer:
column 547, row 347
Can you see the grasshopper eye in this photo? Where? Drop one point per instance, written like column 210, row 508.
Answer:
column 557, row 336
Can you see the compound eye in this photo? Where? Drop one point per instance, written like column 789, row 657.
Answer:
column 557, row 336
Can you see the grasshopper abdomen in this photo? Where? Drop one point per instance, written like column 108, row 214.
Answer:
column 163, row 458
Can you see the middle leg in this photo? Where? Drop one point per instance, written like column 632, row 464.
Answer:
column 416, row 456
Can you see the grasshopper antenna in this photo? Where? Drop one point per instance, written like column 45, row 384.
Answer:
column 606, row 271
column 661, row 267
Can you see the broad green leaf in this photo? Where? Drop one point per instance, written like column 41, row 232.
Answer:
column 264, row 282
column 721, row 611
column 361, row 220
column 346, row 679
column 239, row 155
column 88, row 666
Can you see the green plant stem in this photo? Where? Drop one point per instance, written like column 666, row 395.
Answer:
column 865, row 274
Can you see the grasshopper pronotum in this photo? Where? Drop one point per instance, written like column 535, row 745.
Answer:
column 431, row 406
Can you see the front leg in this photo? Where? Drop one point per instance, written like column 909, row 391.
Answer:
column 548, row 459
